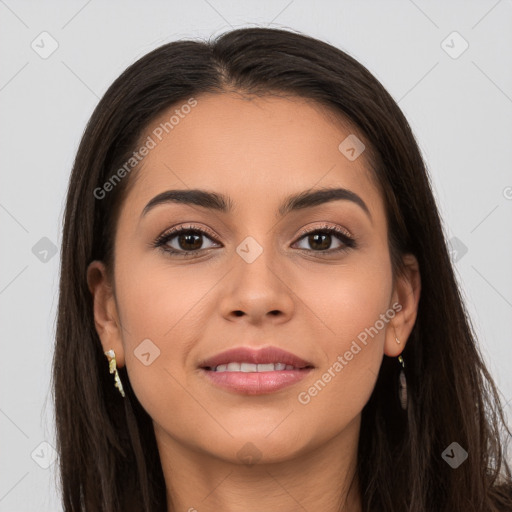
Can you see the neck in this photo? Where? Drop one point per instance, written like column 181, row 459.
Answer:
column 321, row 477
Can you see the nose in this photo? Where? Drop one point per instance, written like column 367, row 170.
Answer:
column 258, row 291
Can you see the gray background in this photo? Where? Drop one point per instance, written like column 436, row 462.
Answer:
column 459, row 106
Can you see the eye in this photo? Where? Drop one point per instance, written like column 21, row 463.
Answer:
column 183, row 241
column 320, row 239
column 188, row 240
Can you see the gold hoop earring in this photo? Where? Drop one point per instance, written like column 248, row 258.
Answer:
column 111, row 356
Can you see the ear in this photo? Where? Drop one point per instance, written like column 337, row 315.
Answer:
column 106, row 318
column 406, row 294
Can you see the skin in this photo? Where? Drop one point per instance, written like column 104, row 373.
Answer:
column 257, row 151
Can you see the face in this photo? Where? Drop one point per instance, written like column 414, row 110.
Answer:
column 314, row 281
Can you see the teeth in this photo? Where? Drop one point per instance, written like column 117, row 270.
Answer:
column 251, row 367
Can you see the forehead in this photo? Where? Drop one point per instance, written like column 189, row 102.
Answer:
column 249, row 147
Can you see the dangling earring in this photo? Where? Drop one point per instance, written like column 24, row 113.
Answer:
column 111, row 356
column 402, row 391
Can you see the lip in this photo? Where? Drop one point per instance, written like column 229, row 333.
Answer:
column 264, row 355
column 255, row 383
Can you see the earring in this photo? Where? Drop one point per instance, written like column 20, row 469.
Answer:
column 111, row 356
column 402, row 391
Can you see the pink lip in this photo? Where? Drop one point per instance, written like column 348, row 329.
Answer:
column 265, row 355
column 255, row 383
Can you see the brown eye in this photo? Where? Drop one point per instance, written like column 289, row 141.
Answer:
column 321, row 240
column 184, row 241
column 189, row 240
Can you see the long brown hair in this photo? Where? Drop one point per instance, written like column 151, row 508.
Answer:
column 108, row 455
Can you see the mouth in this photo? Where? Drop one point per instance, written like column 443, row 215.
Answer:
column 253, row 372
column 246, row 367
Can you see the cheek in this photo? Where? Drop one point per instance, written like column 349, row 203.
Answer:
column 355, row 312
column 356, row 317
column 163, row 312
column 347, row 300
column 159, row 301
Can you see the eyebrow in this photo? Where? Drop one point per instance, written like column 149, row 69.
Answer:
column 224, row 204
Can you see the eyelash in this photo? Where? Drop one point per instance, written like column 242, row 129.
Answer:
column 348, row 241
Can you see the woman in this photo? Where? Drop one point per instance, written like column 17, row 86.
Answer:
column 257, row 307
